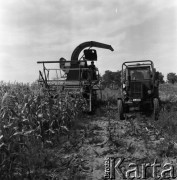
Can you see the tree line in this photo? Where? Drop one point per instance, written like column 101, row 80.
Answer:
column 112, row 79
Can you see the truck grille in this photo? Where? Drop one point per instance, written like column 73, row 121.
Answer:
column 136, row 90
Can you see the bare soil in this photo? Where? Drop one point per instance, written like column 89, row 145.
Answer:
column 137, row 139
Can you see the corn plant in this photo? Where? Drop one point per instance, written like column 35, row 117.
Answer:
column 29, row 121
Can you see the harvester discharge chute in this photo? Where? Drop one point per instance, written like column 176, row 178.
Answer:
column 75, row 74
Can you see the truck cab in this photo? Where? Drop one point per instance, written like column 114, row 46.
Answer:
column 139, row 87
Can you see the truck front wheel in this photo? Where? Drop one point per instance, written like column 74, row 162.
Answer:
column 155, row 109
column 120, row 109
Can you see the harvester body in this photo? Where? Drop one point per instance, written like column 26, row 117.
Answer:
column 75, row 74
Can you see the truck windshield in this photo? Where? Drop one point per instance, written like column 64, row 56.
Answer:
column 140, row 74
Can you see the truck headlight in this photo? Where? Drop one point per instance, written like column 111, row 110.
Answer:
column 149, row 91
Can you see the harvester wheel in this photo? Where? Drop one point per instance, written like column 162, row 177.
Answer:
column 156, row 109
column 120, row 109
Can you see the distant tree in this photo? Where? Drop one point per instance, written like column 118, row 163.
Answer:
column 106, row 78
column 161, row 78
column 111, row 78
column 172, row 77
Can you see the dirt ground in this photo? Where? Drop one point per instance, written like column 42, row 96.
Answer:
column 136, row 139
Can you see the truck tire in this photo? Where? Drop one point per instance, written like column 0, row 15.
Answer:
column 120, row 109
column 155, row 109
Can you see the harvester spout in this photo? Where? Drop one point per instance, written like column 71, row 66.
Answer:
column 78, row 49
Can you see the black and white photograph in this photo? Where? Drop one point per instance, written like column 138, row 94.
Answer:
column 88, row 89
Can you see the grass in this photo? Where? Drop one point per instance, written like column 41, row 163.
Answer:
column 109, row 95
column 168, row 92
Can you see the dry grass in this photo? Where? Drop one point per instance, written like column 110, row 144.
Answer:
column 168, row 92
column 109, row 95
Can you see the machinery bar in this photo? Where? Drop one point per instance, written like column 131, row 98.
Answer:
column 40, row 62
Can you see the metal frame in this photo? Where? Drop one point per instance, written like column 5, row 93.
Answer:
column 44, row 78
column 141, row 63
column 75, row 59
column 136, row 64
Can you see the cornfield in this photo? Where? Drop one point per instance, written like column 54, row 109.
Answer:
column 47, row 136
column 30, row 120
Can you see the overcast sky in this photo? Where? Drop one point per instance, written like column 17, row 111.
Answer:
column 33, row 30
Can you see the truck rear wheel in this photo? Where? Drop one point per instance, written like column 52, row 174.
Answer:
column 156, row 109
column 120, row 109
